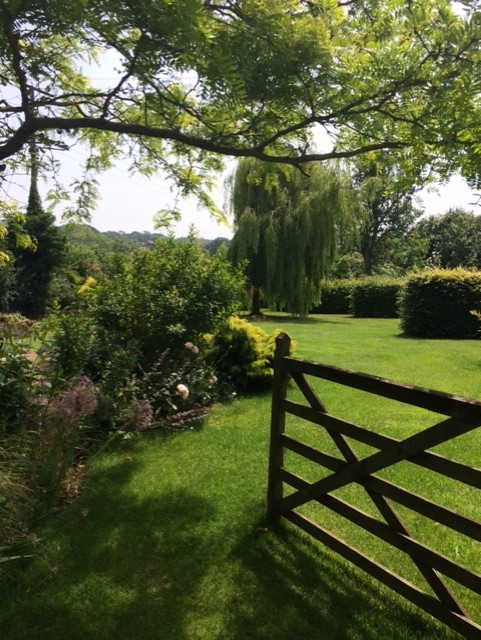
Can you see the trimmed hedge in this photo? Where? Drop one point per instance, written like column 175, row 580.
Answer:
column 376, row 297
column 437, row 303
column 335, row 297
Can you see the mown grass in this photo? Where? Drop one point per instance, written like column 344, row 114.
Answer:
column 170, row 541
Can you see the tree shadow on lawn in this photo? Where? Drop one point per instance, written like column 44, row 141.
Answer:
column 294, row 588
column 168, row 567
column 324, row 319
column 115, row 566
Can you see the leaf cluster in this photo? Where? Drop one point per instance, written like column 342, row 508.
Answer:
column 287, row 226
column 194, row 80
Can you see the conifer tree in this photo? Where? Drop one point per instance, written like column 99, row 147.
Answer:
column 35, row 266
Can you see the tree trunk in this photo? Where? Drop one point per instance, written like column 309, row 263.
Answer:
column 256, row 301
column 368, row 261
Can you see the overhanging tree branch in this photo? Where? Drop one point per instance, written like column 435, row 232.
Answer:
column 25, row 131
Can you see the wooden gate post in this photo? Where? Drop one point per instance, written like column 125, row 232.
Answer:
column 278, row 419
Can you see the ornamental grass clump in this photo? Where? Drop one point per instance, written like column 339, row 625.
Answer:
column 58, row 438
column 15, row 495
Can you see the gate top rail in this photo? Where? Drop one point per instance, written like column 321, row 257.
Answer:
column 465, row 409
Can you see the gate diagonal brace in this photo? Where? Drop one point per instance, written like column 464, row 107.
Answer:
column 437, row 434
column 385, row 509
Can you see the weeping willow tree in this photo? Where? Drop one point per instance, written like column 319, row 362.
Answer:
column 287, row 224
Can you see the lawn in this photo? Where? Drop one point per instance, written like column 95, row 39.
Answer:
column 169, row 540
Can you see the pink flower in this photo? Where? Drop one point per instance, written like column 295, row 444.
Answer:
column 183, row 391
column 195, row 349
column 189, row 345
column 139, row 414
column 76, row 401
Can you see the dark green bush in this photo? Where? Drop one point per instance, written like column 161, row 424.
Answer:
column 437, row 303
column 133, row 330
column 376, row 297
column 335, row 297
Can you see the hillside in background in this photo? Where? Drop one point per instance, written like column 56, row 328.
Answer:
column 88, row 236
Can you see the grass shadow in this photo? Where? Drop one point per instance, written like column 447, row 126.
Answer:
column 145, row 555
column 305, row 321
column 294, row 588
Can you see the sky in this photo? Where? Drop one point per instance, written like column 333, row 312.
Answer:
column 129, row 203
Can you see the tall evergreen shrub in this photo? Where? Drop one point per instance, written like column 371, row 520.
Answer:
column 35, row 267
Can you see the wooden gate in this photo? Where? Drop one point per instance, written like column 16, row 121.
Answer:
column 464, row 416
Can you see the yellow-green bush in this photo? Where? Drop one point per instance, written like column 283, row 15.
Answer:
column 437, row 303
column 242, row 354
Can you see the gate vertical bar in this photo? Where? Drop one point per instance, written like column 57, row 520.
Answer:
column 278, row 420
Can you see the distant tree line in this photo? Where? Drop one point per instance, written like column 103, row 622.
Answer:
column 59, row 259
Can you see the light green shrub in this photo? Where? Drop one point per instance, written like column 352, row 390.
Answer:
column 242, row 354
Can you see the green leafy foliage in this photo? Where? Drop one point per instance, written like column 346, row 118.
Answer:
column 376, row 297
column 242, row 78
column 385, row 184
column 451, row 240
column 286, row 228
column 41, row 426
column 133, row 329
column 348, row 265
column 242, row 354
column 437, row 303
column 166, row 297
column 19, row 373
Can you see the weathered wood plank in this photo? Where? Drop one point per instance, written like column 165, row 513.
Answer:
column 308, row 392
column 417, row 503
column 315, row 455
column 465, row 416
column 468, row 628
column 389, row 514
column 276, row 454
column 407, row 544
column 356, row 471
column 427, row 459
column 444, row 403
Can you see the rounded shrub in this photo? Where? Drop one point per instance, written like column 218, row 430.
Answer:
column 129, row 333
column 242, row 354
column 437, row 303
column 335, row 297
column 376, row 297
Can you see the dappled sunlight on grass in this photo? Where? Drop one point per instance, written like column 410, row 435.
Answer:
column 170, row 538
